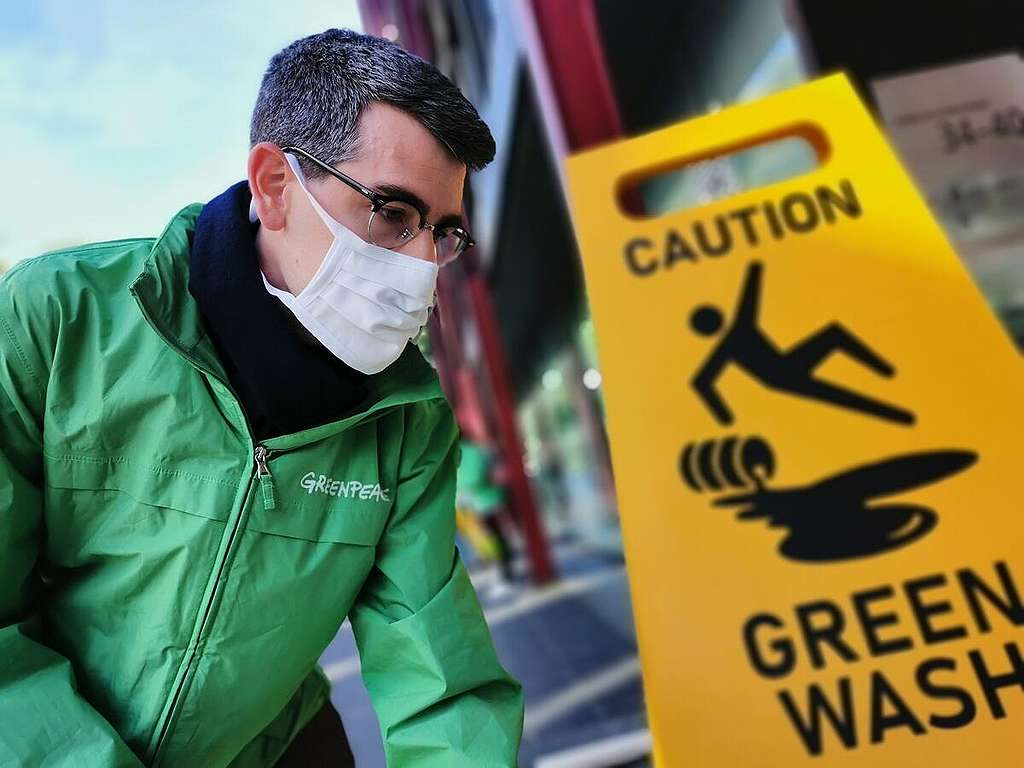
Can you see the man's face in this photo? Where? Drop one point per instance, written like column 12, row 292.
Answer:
column 395, row 156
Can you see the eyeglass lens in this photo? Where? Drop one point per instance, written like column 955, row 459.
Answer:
column 396, row 223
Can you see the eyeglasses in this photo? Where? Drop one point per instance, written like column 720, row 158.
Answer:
column 394, row 222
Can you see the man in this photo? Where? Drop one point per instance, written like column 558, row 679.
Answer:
column 216, row 445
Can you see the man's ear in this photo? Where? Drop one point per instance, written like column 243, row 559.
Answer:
column 268, row 176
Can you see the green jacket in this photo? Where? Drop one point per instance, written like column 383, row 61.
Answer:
column 167, row 586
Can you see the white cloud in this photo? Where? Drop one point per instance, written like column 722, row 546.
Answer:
column 115, row 116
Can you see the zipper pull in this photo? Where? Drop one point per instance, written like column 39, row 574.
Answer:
column 265, row 478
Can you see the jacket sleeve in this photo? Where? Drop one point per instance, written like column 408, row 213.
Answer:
column 428, row 661
column 43, row 719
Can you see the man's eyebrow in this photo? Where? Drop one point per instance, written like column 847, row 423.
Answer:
column 408, row 196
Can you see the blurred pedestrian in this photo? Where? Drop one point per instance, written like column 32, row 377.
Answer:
column 484, row 498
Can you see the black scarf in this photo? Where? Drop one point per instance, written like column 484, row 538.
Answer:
column 285, row 379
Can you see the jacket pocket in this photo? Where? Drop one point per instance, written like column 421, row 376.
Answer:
column 327, row 520
column 192, row 492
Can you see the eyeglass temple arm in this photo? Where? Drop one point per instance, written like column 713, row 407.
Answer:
column 335, row 173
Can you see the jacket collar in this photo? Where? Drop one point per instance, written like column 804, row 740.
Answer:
column 161, row 291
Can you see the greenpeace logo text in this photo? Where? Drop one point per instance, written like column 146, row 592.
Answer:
column 348, row 489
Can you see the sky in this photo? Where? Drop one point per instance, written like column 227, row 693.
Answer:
column 115, row 114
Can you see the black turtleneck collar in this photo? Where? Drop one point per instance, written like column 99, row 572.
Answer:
column 285, row 382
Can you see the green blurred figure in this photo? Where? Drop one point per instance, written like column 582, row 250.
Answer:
column 478, row 494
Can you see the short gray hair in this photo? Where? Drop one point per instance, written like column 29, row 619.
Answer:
column 314, row 91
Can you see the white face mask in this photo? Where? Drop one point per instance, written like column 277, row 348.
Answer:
column 365, row 302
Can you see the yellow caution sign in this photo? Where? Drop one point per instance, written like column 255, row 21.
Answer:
column 816, row 428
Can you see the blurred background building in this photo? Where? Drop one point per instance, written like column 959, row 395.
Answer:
column 513, row 341
column 557, row 76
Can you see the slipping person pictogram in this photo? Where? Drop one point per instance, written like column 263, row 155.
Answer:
column 746, row 345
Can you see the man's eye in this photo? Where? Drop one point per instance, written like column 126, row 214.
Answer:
column 392, row 214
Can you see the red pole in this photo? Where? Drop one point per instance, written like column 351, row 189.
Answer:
column 508, row 431
column 574, row 54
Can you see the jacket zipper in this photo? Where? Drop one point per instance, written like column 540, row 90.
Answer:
column 260, row 458
column 265, row 479
column 262, row 475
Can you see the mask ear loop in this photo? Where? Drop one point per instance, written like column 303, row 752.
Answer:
column 293, row 163
column 325, row 217
column 432, row 310
column 423, row 333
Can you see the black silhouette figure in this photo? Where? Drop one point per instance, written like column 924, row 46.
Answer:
column 832, row 520
column 746, row 345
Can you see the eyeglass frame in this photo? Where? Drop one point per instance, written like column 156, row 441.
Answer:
column 378, row 201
